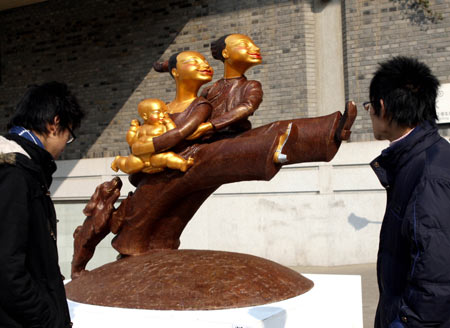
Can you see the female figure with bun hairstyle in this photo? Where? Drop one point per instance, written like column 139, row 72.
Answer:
column 190, row 71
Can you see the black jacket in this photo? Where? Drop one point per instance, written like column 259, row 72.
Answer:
column 31, row 287
column 414, row 253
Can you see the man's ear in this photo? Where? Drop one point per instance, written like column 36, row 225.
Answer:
column 225, row 53
column 174, row 72
column 382, row 109
column 52, row 128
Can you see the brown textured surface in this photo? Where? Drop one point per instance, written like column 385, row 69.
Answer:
column 187, row 280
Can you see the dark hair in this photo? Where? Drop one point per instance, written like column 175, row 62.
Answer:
column 173, row 62
column 167, row 65
column 408, row 89
column 218, row 46
column 42, row 103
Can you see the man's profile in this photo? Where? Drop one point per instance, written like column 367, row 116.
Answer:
column 31, row 286
column 413, row 264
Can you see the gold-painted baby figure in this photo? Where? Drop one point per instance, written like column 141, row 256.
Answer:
column 140, row 138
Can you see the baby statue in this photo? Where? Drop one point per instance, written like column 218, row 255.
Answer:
column 156, row 122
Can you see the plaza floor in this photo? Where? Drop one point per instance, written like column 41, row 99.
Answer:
column 368, row 280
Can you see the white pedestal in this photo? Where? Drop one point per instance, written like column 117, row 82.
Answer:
column 335, row 301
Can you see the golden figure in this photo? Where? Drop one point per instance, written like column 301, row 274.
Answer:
column 190, row 71
column 140, row 138
column 238, row 53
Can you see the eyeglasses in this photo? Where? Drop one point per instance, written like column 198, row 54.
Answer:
column 367, row 105
column 72, row 136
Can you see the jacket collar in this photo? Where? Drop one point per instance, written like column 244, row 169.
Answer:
column 393, row 158
column 41, row 162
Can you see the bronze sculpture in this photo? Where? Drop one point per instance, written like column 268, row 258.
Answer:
column 214, row 131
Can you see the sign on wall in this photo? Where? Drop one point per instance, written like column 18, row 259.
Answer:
column 443, row 104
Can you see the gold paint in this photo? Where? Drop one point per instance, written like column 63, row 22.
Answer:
column 201, row 130
column 191, row 72
column 140, row 138
column 240, row 54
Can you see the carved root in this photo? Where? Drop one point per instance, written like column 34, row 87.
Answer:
column 96, row 225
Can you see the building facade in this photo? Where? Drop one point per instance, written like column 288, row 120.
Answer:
column 316, row 55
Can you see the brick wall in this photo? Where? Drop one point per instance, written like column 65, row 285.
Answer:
column 104, row 50
column 377, row 30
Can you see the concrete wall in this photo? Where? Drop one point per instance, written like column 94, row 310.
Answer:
column 309, row 214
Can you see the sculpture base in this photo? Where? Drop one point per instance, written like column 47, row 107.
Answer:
column 335, row 301
column 187, row 280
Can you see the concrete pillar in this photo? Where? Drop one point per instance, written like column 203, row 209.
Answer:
column 329, row 56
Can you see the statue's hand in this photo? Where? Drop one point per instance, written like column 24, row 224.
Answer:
column 201, row 130
column 170, row 125
column 135, row 123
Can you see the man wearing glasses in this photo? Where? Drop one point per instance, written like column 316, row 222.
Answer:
column 413, row 266
column 31, row 286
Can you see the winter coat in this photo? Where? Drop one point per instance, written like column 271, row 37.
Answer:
column 413, row 264
column 31, row 286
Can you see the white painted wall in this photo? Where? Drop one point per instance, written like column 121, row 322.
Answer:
column 309, row 214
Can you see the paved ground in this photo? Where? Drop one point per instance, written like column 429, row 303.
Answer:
column 368, row 280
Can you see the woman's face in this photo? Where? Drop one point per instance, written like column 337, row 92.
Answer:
column 241, row 49
column 192, row 65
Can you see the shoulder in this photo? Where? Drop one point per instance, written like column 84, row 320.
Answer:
column 434, row 182
column 212, row 88
column 199, row 105
column 202, row 101
column 252, row 87
column 253, row 84
column 14, row 180
column 19, row 166
column 206, row 90
column 437, row 160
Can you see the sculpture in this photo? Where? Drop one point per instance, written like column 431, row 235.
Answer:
column 96, row 226
column 190, row 71
column 140, row 138
column 216, row 133
column 233, row 97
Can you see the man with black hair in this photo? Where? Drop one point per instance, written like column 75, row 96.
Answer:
column 413, row 264
column 31, row 286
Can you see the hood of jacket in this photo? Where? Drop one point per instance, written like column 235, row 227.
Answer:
column 20, row 152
